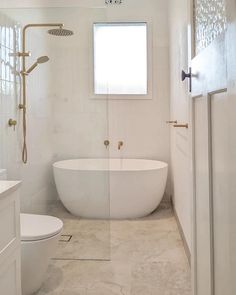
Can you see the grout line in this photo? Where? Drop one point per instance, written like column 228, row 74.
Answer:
column 81, row 259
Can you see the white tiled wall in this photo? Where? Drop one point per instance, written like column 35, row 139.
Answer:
column 141, row 124
column 63, row 121
column 37, row 189
column 181, row 139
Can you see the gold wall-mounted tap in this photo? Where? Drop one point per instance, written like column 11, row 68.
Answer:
column 106, row 143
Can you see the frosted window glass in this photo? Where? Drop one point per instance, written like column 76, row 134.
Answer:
column 120, row 58
column 210, row 21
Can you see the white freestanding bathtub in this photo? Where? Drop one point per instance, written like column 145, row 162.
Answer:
column 114, row 188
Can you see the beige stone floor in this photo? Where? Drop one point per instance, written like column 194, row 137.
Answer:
column 146, row 258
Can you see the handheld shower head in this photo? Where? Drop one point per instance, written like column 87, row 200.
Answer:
column 40, row 60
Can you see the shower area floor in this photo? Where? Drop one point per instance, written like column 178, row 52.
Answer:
column 143, row 257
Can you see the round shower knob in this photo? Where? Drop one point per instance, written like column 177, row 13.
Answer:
column 106, row 143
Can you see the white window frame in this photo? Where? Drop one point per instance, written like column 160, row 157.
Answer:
column 149, row 94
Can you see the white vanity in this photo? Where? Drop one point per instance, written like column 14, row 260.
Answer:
column 10, row 270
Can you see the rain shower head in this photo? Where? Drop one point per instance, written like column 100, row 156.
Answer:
column 40, row 60
column 60, row 32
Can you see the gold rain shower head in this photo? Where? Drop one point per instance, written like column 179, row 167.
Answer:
column 60, row 32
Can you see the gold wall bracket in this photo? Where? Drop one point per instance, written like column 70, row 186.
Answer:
column 21, row 106
column 23, row 54
column 172, row 122
column 181, row 126
column 24, row 73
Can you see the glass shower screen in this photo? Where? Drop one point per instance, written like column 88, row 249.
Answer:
column 65, row 126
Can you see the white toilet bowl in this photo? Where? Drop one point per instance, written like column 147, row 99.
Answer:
column 39, row 237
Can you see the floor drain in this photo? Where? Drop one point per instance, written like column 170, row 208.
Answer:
column 65, row 238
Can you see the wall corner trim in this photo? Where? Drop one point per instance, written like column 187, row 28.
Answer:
column 186, row 248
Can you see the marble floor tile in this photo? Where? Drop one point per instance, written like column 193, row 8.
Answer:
column 146, row 258
column 164, row 278
column 90, row 238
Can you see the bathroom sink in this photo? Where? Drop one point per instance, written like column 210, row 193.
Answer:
column 7, row 187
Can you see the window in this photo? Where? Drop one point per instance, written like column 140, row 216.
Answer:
column 120, row 59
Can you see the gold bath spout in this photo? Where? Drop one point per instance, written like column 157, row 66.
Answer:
column 120, row 144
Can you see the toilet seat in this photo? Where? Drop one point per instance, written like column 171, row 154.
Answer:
column 39, row 227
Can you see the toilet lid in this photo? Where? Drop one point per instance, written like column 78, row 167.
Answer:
column 39, row 227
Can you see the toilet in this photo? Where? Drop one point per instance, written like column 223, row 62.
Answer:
column 39, row 237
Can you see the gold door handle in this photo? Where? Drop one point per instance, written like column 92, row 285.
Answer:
column 12, row 123
column 181, row 126
column 172, row 122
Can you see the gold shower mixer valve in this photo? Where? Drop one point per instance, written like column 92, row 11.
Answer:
column 106, row 143
column 12, row 123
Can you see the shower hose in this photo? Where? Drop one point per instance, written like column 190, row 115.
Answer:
column 22, row 106
column 24, row 149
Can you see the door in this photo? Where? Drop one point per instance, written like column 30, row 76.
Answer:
column 214, row 142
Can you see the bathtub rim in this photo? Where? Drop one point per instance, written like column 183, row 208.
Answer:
column 154, row 165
